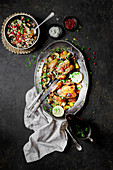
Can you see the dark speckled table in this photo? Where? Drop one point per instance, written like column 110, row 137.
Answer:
column 16, row 79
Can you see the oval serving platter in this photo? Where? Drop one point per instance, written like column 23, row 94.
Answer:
column 81, row 61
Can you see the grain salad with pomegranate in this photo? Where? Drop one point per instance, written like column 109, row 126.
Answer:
column 20, row 32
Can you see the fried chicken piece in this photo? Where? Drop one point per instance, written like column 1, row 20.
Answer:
column 58, row 98
column 67, row 91
column 72, row 100
column 62, row 66
column 61, row 77
column 57, row 86
column 70, row 68
column 52, row 64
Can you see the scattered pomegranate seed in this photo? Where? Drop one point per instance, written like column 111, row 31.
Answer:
column 89, row 58
column 89, row 48
column 94, row 52
column 42, row 60
column 93, row 56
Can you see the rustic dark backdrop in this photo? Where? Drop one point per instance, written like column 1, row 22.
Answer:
column 96, row 18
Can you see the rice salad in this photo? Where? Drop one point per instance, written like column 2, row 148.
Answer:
column 20, row 32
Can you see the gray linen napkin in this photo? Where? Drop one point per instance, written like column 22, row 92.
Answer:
column 49, row 134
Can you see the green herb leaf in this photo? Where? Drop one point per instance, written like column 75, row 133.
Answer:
column 21, row 30
column 46, row 98
column 44, row 108
column 38, row 90
column 27, row 19
column 86, row 129
column 83, row 48
column 82, row 135
column 79, row 26
column 54, row 72
column 28, row 65
column 34, row 57
column 77, row 30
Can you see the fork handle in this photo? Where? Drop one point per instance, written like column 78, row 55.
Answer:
column 34, row 109
column 35, row 100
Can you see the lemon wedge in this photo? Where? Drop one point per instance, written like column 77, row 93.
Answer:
column 58, row 111
column 76, row 77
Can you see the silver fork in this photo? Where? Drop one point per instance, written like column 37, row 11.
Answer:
column 35, row 100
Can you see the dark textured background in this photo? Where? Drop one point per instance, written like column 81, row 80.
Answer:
column 96, row 17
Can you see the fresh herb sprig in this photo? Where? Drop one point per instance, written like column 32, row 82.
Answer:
column 30, row 60
column 59, row 49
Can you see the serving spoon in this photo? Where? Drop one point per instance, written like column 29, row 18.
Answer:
column 46, row 19
column 65, row 126
column 78, row 146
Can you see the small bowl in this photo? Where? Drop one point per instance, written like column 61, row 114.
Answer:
column 18, row 16
column 71, row 18
column 61, row 31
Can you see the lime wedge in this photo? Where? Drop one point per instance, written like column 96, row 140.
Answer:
column 58, row 111
column 76, row 77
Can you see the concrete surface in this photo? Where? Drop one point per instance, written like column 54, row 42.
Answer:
column 16, row 79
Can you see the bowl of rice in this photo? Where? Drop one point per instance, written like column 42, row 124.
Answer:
column 18, row 31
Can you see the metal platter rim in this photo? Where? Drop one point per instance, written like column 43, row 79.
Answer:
column 79, row 104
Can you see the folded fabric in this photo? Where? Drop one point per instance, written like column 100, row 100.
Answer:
column 49, row 134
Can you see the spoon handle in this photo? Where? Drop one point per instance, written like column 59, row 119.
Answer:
column 78, row 146
column 91, row 139
column 50, row 16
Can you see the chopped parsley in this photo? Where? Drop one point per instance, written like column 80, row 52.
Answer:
column 44, row 108
column 38, row 90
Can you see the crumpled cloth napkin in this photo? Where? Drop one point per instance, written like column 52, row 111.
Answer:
column 49, row 134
